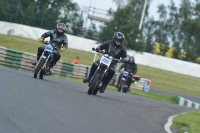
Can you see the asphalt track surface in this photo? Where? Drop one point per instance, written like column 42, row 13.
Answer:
column 52, row 105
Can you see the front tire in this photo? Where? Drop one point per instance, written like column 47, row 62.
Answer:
column 42, row 73
column 121, row 85
column 39, row 67
column 94, row 83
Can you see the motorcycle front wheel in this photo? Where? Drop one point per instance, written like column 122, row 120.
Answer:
column 121, row 84
column 39, row 67
column 42, row 73
column 94, row 83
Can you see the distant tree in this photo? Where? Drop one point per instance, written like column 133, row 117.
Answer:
column 91, row 33
column 41, row 13
column 123, row 22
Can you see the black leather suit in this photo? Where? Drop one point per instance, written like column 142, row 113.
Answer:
column 131, row 68
column 59, row 40
column 113, row 50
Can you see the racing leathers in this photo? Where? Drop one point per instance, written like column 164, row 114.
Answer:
column 58, row 40
column 116, row 51
column 131, row 68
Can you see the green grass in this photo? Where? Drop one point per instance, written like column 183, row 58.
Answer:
column 161, row 79
column 189, row 121
column 31, row 46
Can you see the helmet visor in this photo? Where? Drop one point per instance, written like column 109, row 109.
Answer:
column 62, row 27
column 118, row 41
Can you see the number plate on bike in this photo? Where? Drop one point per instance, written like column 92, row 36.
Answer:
column 105, row 61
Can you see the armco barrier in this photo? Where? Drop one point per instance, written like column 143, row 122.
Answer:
column 22, row 60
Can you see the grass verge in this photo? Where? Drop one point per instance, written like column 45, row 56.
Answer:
column 189, row 122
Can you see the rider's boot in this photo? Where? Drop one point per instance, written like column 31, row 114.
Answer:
column 87, row 79
column 50, row 70
column 35, row 62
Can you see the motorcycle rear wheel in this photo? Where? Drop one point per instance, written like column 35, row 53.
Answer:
column 93, row 84
column 39, row 67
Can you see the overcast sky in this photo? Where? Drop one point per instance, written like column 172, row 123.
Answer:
column 106, row 4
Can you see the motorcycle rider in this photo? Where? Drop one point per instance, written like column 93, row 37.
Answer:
column 131, row 67
column 115, row 49
column 57, row 37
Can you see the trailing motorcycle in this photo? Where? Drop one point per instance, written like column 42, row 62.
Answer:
column 96, row 81
column 124, row 81
column 43, row 65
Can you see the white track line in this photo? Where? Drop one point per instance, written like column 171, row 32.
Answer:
column 169, row 123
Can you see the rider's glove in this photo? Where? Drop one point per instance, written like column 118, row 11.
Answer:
column 62, row 49
column 41, row 39
column 123, row 60
column 97, row 49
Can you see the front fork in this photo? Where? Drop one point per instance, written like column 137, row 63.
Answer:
column 100, row 82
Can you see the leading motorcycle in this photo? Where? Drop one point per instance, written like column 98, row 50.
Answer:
column 43, row 65
column 96, row 81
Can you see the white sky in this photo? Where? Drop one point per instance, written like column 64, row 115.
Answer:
column 106, row 4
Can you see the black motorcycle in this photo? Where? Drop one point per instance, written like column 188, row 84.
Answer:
column 42, row 66
column 124, row 81
column 96, row 82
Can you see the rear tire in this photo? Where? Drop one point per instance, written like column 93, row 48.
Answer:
column 38, row 68
column 93, row 84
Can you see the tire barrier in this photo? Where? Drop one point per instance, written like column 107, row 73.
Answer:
column 23, row 61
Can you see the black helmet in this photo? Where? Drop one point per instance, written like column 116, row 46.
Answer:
column 118, row 38
column 60, row 28
column 131, row 59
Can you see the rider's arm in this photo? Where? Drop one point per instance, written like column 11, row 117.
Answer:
column 65, row 42
column 48, row 34
column 135, row 71
column 103, row 46
column 122, row 66
column 123, row 55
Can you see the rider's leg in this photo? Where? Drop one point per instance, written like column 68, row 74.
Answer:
column 130, row 82
column 39, row 53
column 54, row 61
column 106, row 80
column 119, row 78
column 92, row 70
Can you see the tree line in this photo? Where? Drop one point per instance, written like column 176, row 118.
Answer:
column 45, row 14
column 175, row 34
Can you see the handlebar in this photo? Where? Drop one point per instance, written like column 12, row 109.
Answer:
column 52, row 44
column 102, row 52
